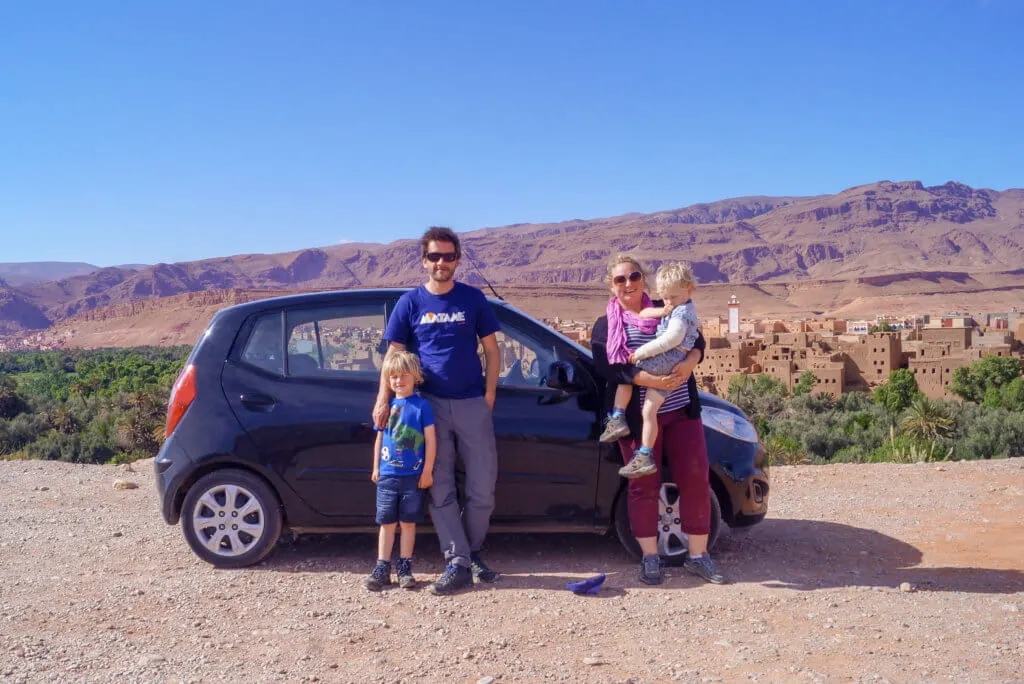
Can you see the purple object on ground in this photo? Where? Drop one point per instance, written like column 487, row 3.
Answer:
column 589, row 586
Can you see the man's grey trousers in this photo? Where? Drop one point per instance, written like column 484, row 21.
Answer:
column 465, row 431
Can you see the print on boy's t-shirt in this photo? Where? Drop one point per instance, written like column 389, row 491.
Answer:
column 403, row 447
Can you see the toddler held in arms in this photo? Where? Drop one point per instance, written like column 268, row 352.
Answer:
column 676, row 335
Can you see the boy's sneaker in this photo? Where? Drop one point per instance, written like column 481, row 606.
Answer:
column 482, row 573
column 650, row 569
column 614, row 429
column 641, row 465
column 454, row 578
column 702, row 566
column 405, row 578
column 380, row 577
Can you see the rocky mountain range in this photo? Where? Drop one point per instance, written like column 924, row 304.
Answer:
column 885, row 229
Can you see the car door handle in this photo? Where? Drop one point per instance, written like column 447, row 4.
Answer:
column 258, row 401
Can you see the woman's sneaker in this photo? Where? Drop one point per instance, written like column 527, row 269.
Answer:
column 702, row 566
column 650, row 569
column 380, row 577
column 405, row 578
column 641, row 465
column 615, row 428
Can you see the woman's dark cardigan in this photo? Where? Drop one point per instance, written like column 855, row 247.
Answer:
column 623, row 373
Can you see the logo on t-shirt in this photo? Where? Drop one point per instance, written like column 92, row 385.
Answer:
column 443, row 317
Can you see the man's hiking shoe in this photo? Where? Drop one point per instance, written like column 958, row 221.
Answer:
column 482, row 573
column 453, row 579
column 405, row 578
column 702, row 566
column 379, row 578
column 650, row 569
column 614, row 429
column 641, row 465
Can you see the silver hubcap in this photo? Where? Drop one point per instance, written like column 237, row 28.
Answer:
column 672, row 541
column 228, row 520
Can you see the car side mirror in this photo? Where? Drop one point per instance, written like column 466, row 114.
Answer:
column 562, row 376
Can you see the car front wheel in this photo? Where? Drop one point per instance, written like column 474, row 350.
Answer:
column 231, row 518
column 672, row 541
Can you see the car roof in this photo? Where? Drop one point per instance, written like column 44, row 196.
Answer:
column 323, row 296
column 319, row 297
column 241, row 311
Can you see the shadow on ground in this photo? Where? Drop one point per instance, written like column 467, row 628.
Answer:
column 778, row 553
column 811, row 554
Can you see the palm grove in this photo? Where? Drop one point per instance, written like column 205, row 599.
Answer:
column 109, row 406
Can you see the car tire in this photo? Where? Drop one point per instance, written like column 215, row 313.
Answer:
column 671, row 538
column 231, row 518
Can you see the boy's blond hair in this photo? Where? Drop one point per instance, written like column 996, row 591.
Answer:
column 399, row 361
column 676, row 273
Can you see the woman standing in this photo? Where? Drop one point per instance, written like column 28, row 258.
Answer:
column 681, row 434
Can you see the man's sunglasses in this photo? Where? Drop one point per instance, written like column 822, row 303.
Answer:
column 633, row 277
column 447, row 257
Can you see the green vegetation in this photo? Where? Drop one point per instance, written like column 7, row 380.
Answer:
column 86, row 406
column 884, row 326
column 110, row 406
column 894, row 423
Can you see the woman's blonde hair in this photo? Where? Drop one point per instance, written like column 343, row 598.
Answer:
column 676, row 273
column 625, row 259
column 398, row 361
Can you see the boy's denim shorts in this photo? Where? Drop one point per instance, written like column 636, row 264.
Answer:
column 399, row 499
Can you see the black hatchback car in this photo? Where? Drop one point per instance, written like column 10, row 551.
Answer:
column 269, row 429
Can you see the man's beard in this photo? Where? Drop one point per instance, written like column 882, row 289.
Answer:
column 441, row 276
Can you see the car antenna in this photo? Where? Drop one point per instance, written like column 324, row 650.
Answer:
column 479, row 272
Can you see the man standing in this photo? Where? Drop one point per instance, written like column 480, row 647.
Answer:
column 441, row 322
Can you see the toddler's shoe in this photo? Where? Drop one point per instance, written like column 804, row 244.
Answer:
column 614, row 429
column 380, row 577
column 641, row 465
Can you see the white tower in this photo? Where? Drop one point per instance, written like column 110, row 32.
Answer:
column 734, row 314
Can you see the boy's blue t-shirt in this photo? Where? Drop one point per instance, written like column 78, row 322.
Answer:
column 403, row 447
column 443, row 330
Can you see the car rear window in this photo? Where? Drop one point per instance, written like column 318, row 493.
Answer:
column 263, row 348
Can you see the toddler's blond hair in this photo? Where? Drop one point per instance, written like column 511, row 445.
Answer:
column 676, row 273
column 399, row 361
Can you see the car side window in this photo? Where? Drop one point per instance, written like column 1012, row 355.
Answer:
column 263, row 349
column 337, row 342
column 523, row 360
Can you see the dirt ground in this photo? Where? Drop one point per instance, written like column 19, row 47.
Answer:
column 95, row 587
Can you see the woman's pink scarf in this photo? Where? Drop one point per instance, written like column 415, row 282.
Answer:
column 618, row 317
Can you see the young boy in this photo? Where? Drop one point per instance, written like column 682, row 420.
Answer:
column 403, row 460
column 676, row 335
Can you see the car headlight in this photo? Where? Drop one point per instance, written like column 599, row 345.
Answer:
column 728, row 423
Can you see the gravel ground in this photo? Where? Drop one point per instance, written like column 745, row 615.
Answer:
column 865, row 572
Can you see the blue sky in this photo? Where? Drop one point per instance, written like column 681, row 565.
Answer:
column 140, row 132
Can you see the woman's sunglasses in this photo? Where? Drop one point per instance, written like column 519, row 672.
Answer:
column 633, row 277
column 447, row 257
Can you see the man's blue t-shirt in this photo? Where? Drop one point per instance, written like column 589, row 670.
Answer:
column 404, row 447
column 443, row 330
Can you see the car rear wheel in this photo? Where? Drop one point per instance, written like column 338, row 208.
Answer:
column 672, row 541
column 231, row 518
